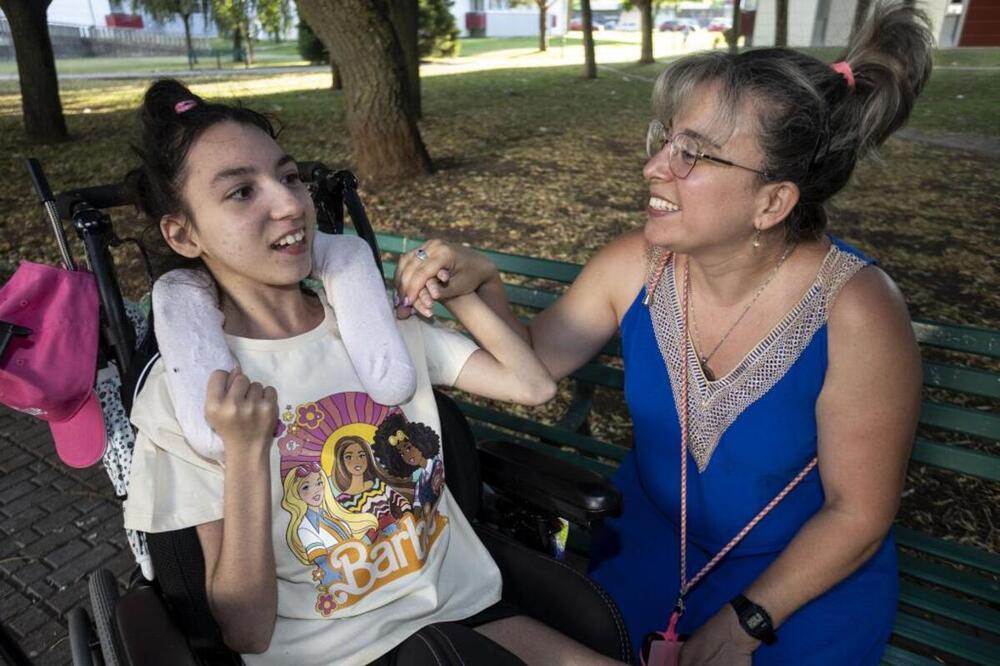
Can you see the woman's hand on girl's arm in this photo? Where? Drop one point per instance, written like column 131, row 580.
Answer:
column 449, row 270
column 240, row 577
column 505, row 368
column 568, row 333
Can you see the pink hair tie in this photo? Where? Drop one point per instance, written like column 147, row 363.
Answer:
column 188, row 104
column 844, row 69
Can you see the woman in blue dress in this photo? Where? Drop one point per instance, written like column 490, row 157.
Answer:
column 773, row 343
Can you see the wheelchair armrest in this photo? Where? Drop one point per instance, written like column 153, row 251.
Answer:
column 579, row 495
column 148, row 634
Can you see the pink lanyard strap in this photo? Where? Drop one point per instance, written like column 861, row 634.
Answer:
column 686, row 585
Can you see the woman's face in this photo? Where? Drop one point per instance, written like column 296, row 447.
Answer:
column 253, row 219
column 714, row 205
column 311, row 490
column 355, row 459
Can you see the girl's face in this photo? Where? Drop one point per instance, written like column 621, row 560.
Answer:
column 714, row 205
column 311, row 490
column 253, row 219
column 355, row 459
column 411, row 454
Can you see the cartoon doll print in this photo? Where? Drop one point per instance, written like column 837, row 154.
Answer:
column 358, row 518
column 408, row 449
column 363, row 488
column 312, row 531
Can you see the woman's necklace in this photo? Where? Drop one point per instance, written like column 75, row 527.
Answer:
column 703, row 360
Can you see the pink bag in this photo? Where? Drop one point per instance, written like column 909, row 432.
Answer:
column 49, row 364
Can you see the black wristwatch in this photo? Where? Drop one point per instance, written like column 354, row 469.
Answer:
column 754, row 619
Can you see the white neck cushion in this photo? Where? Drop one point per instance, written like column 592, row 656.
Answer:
column 188, row 325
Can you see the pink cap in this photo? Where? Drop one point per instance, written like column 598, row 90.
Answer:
column 50, row 372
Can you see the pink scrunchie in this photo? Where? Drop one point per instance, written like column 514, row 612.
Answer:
column 185, row 105
column 844, row 69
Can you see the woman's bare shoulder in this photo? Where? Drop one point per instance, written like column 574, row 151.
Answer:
column 870, row 316
column 620, row 268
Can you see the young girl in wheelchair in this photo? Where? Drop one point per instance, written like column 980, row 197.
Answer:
column 327, row 532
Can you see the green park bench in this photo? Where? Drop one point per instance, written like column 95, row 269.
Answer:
column 949, row 600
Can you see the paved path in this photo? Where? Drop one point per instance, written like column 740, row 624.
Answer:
column 57, row 525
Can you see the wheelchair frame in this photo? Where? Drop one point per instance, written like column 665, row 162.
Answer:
column 98, row 641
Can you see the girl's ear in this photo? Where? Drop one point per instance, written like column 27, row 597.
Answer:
column 180, row 235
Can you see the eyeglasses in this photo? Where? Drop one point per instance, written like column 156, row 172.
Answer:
column 685, row 151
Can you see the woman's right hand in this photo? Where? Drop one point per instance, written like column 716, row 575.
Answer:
column 242, row 413
column 449, row 270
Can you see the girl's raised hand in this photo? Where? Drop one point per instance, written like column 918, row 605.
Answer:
column 243, row 413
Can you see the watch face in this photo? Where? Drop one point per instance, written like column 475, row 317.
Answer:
column 755, row 621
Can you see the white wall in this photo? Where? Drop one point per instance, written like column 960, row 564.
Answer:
column 458, row 10
column 801, row 20
column 78, row 12
column 518, row 24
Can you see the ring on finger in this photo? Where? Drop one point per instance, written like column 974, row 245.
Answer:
column 421, row 254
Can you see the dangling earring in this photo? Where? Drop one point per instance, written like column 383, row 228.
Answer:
column 756, row 238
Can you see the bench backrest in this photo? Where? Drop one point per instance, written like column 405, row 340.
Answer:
column 958, row 422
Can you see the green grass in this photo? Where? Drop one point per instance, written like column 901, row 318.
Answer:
column 266, row 55
column 962, row 101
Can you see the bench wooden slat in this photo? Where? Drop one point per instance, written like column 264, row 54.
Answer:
column 958, row 338
column 896, row 656
column 956, row 459
column 948, row 550
column 549, row 269
column 959, row 610
column 542, row 431
column 602, row 375
column 965, row 380
column 539, row 299
column 946, row 639
column 486, row 433
column 960, row 419
column 974, row 585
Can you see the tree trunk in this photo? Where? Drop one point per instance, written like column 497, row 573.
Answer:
column 781, row 23
column 246, row 31
column 405, row 17
column 589, row 61
column 192, row 56
column 646, row 24
column 238, row 55
column 36, row 70
column 734, row 32
column 337, row 83
column 542, row 16
column 860, row 14
column 385, row 139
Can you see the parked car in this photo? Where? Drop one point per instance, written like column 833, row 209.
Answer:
column 577, row 25
column 718, row 25
column 677, row 25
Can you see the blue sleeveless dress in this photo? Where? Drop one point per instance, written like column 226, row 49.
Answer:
column 751, row 432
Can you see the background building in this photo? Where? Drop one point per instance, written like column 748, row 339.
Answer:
column 828, row 22
column 502, row 18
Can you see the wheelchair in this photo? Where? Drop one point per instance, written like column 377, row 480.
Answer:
column 528, row 497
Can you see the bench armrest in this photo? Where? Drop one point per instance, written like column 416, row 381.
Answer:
column 579, row 495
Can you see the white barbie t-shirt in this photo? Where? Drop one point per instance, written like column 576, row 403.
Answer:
column 369, row 547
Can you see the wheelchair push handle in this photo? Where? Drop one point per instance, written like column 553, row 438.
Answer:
column 335, row 191
column 48, row 201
